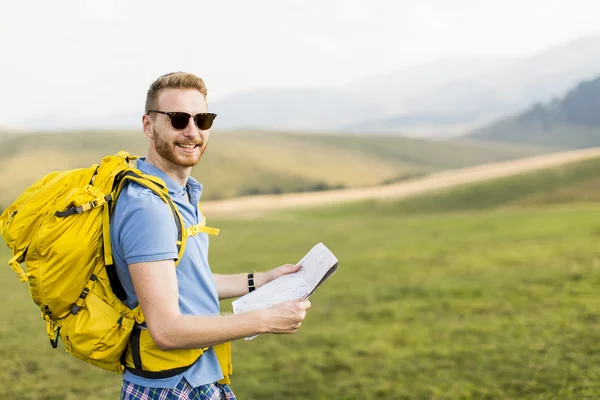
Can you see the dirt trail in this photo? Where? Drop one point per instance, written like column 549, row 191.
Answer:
column 253, row 205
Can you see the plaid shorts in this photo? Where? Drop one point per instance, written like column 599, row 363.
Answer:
column 183, row 391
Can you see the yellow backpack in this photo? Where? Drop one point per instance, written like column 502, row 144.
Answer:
column 60, row 228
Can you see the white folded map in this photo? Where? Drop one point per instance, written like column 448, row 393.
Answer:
column 317, row 266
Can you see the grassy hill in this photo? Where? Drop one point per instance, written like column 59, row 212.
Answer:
column 255, row 162
column 420, row 154
column 567, row 184
column 426, row 304
column 572, row 121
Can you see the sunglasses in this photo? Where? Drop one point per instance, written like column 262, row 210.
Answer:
column 180, row 120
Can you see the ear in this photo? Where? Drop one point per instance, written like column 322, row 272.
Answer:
column 147, row 125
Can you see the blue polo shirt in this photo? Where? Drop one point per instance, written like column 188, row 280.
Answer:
column 143, row 229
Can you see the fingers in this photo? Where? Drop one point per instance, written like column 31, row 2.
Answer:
column 290, row 268
column 298, row 304
column 300, row 315
column 294, row 328
column 289, row 315
column 299, row 310
column 303, row 304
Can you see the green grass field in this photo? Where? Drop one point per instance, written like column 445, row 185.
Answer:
column 496, row 302
column 254, row 162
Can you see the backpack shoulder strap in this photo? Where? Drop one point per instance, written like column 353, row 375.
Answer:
column 157, row 186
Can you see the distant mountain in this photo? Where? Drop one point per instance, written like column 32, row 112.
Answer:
column 442, row 98
column 571, row 121
column 130, row 120
column 345, row 107
column 319, row 108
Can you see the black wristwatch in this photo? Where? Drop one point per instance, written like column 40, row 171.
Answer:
column 251, row 286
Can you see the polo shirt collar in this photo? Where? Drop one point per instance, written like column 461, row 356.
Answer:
column 172, row 186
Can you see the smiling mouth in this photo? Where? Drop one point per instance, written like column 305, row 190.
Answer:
column 188, row 146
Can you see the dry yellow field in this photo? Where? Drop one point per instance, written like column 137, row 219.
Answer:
column 238, row 163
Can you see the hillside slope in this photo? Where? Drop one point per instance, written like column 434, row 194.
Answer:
column 254, row 162
column 571, row 121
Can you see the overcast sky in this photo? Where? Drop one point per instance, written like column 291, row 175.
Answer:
column 97, row 57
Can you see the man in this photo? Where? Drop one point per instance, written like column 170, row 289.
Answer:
column 180, row 303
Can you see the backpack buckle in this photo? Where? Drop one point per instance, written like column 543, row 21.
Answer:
column 192, row 231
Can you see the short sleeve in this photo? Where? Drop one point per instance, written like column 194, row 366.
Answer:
column 146, row 229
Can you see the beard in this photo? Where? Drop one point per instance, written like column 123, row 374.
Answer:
column 176, row 155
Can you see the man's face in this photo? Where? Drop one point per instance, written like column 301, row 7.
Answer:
column 181, row 147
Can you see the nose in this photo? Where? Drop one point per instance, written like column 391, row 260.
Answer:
column 191, row 130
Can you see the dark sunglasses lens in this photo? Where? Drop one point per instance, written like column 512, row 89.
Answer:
column 180, row 120
column 204, row 122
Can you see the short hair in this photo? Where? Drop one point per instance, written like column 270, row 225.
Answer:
column 173, row 80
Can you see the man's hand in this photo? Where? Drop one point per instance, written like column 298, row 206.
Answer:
column 262, row 278
column 285, row 317
column 235, row 285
